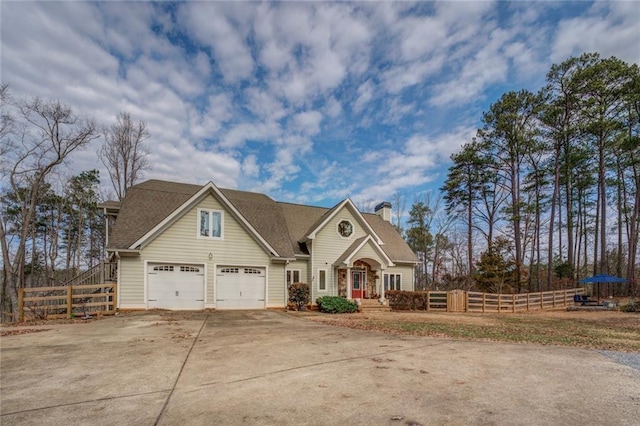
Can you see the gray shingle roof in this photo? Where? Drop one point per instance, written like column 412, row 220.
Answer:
column 283, row 225
column 395, row 247
column 266, row 216
column 145, row 206
column 299, row 218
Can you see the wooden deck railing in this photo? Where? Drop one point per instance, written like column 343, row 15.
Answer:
column 103, row 272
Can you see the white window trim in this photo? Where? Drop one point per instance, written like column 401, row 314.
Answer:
column 202, row 237
column 386, row 274
column 326, row 286
column 299, row 271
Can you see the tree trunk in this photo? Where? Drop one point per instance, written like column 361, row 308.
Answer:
column 552, row 215
column 604, row 267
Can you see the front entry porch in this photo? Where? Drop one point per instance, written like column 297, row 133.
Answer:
column 361, row 281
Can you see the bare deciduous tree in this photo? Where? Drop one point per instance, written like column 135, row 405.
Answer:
column 124, row 153
column 44, row 135
column 399, row 206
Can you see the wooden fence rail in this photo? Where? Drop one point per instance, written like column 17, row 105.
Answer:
column 472, row 301
column 490, row 302
column 67, row 301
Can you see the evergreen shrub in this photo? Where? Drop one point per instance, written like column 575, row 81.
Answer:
column 336, row 305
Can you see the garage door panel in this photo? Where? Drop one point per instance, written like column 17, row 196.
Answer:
column 240, row 288
column 176, row 287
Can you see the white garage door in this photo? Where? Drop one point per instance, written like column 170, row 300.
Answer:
column 240, row 287
column 175, row 286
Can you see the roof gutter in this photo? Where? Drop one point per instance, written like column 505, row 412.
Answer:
column 124, row 252
column 283, row 259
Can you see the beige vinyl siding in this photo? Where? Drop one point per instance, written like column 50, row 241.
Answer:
column 407, row 275
column 180, row 243
column 303, row 267
column 369, row 252
column 276, row 286
column 328, row 246
column 131, row 282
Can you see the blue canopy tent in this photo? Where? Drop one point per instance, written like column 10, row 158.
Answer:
column 602, row 278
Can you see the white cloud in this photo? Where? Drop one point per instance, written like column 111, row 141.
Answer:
column 264, row 105
column 365, row 94
column 333, row 107
column 415, row 162
column 307, row 122
column 250, row 167
column 208, row 24
column 204, row 166
column 311, row 101
column 614, row 35
column 488, row 65
column 238, row 134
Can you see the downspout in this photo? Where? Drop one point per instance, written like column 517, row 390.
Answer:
column 118, row 286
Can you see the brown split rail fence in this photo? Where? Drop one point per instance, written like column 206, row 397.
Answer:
column 67, row 301
column 489, row 302
column 471, row 301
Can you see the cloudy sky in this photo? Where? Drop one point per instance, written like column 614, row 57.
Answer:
column 309, row 102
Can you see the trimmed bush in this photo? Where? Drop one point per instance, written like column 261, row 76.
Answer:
column 336, row 305
column 400, row 300
column 299, row 295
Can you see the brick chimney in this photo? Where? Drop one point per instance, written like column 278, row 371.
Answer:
column 384, row 210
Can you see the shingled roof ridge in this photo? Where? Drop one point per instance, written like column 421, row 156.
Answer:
column 289, row 203
column 148, row 185
column 247, row 192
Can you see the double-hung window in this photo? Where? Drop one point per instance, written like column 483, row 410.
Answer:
column 293, row 276
column 392, row 282
column 322, row 280
column 210, row 224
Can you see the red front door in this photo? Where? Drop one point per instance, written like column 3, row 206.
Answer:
column 358, row 284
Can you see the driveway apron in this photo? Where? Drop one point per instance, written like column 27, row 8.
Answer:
column 265, row 367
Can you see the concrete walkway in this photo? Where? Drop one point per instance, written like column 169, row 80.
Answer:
column 262, row 367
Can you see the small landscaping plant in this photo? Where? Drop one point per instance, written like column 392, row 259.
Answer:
column 299, row 296
column 336, row 305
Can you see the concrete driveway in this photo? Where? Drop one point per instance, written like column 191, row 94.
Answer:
column 262, row 367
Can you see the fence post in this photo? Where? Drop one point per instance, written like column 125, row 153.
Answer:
column 499, row 303
column 541, row 301
column 484, row 300
column 528, row 301
column 565, row 297
column 20, row 305
column 69, row 301
column 428, row 300
column 513, row 303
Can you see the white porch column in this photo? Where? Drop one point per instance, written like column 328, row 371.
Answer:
column 381, row 272
column 348, row 282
